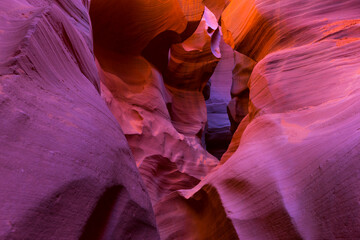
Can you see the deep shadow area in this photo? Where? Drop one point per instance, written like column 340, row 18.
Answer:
column 97, row 223
column 218, row 140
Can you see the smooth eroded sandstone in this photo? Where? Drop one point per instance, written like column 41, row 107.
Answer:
column 66, row 169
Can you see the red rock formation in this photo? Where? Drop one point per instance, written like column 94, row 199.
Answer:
column 291, row 170
column 66, row 169
column 190, row 66
column 238, row 106
column 162, row 119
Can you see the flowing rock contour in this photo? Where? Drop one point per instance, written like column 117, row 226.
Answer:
column 292, row 169
column 66, row 169
column 72, row 169
column 158, row 99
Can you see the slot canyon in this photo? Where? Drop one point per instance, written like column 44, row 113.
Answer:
column 179, row 119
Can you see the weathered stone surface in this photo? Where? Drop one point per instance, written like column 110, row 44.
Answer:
column 162, row 117
column 238, row 106
column 163, row 155
column 66, row 169
column 291, row 170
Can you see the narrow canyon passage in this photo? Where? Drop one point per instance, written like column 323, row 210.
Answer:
column 159, row 101
column 179, row 119
column 228, row 99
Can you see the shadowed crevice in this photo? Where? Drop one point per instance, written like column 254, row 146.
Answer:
column 99, row 220
column 157, row 51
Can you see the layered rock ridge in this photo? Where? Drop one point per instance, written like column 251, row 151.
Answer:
column 291, row 171
column 104, row 125
column 158, row 99
column 66, row 168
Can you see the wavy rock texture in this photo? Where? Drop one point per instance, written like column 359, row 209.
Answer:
column 162, row 117
column 292, row 169
column 292, row 93
column 166, row 159
column 66, row 169
column 190, row 66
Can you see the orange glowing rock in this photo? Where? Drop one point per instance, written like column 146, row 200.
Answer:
column 291, row 170
column 289, row 77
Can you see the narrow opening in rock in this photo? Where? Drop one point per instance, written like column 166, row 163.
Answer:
column 227, row 97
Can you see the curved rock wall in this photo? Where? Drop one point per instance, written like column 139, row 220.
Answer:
column 161, row 111
column 66, row 169
column 72, row 169
column 291, row 171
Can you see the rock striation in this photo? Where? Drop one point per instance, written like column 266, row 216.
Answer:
column 66, row 168
column 291, row 171
column 112, row 114
column 161, row 110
